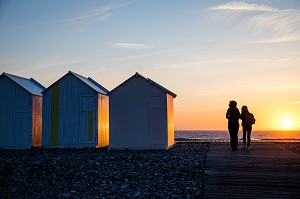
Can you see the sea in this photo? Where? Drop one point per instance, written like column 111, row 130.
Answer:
column 223, row 136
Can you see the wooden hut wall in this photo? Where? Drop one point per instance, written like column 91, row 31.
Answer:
column 170, row 116
column 157, row 111
column 70, row 114
column 50, row 116
column 46, row 115
column 135, row 107
column 128, row 120
column 15, row 115
column 103, row 120
column 36, row 121
column 7, row 90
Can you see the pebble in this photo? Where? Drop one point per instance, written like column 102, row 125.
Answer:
column 98, row 173
column 293, row 146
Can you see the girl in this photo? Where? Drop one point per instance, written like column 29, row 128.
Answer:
column 247, row 127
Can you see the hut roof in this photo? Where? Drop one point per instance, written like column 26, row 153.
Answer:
column 30, row 85
column 88, row 81
column 150, row 81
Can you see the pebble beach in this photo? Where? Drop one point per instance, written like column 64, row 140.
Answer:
column 99, row 173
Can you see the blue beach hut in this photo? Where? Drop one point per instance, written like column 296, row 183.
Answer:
column 20, row 112
column 75, row 113
column 141, row 115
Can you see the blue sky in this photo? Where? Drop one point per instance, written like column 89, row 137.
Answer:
column 207, row 52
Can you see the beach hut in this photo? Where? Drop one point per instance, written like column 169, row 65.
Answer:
column 20, row 112
column 141, row 115
column 75, row 113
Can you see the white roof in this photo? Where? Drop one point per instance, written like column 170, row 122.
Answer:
column 149, row 80
column 31, row 85
column 97, row 87
column 88, row 81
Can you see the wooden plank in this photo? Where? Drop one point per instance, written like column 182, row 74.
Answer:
column 267, row 171
column 90, row 125
column 54, row 114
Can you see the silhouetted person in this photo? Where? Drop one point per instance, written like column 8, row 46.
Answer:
column 233, row 115
column 247, row 122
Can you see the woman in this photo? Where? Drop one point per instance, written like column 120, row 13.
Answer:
column 247, row 128
column 233, row 115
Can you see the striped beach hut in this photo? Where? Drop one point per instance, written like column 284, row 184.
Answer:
column 141, row 115
column 75, row 113
column 20, row 112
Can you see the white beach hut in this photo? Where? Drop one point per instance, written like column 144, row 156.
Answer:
column 141, row 115
column 20, row 112
column 75, row 113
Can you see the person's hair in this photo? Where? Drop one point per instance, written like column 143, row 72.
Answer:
column 244, row 108
column 232, row 104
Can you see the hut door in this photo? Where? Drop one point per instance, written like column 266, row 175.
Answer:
column 21, row 128
column 87, row 119
column 22, row 121
column 156, row 120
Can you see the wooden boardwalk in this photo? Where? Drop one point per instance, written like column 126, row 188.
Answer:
column 267, row 171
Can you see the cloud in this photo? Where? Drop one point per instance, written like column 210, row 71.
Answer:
column 278, row 39
column 133, row 46
column 297, row 102
column 261, row 23
column 285, row 87
column 212, row 93
column 47, row 64
column 102, row 13
column 204, row 109
column 196, row 63
column 242, row 6
column 280, row 26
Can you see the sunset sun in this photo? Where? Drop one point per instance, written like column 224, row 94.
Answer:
column 286, row 124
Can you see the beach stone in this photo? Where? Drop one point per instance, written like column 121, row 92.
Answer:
column 93, row 173
column 65, row 195
column 293, row 146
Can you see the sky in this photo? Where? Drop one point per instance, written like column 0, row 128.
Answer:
column 207, row 52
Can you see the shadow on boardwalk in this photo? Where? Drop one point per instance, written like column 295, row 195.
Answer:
column 267, row 171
